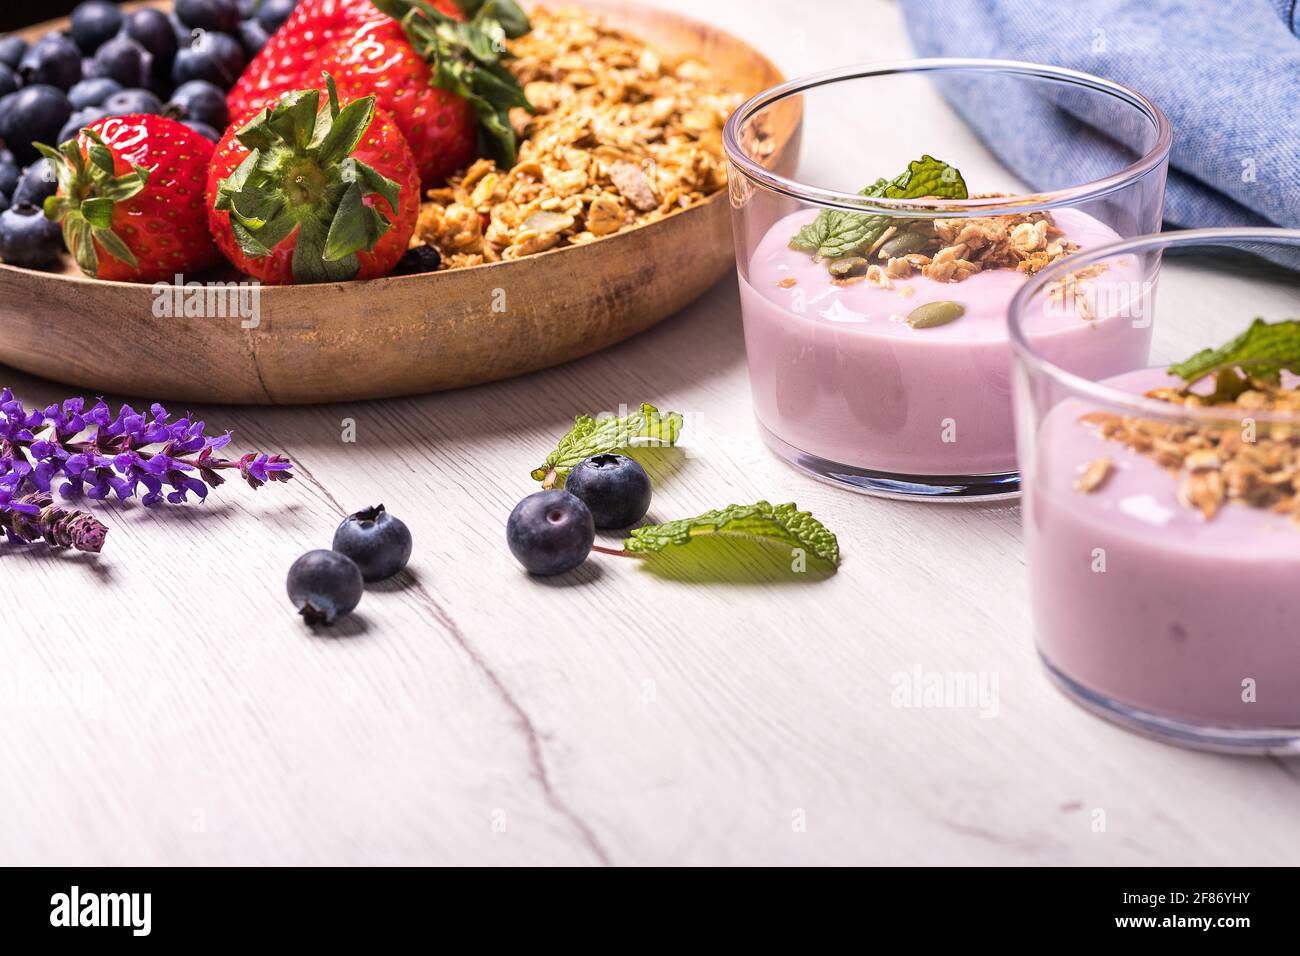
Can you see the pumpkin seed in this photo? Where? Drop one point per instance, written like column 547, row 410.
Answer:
column 842, row 267
column 903, row 244
column 935, row 313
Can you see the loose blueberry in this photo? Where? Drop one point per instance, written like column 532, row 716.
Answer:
column 153, row 30
column 10, row 174
column 550, row 532
column 124, row 60
column 34, row 114
column 219, row 15
column 81, row 119
column 37, row 184
column 201, row 101
column 9, row 80
column 92, row 92
column 53, row 60
column 418, row 261
column 12, row 49
column 248, row 8
column 133, row 101
column 203, row 129
column 252, row 37
column 214, row 57
column 4, row 203
column 272, row 14
column 324, row 585
column 379, row 543
column 94, row 23
column 615, row 488
column 28, row 239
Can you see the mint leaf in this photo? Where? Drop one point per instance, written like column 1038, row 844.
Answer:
column 835, row 234
column 1262, row 351
column 783, row 524
column 599, row 436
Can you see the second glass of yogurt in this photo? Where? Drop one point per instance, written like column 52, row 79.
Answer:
column 879, row 251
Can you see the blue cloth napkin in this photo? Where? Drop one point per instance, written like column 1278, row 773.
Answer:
column 1226, row 73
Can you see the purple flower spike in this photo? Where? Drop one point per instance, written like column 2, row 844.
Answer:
column 99, row 454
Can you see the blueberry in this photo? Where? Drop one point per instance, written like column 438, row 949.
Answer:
column 12, row 49
column 324, row 585
column 248, row 8
column 83, row 118
column 38, row 183
column 272, row 13
column 550, row 532
column 124, row 60
column 9, row 80
column 33, row 114
column 4, row 203
column 10, row 174
column 417, row 261
column 379, row 543
column 252, row 37
column 214, row 57
column 133, row 101
column 201, row 101
column 614, row 487
column 184, row 35
column 92, row 92
column 28, row 239
column 54, row 60
column 152, row 30
column 203, row 129
column 94, row 23
column 219, row 15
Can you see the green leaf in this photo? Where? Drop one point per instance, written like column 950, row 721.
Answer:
column 598, row 436
column 98, row 212
column 513, row 20
column 346, row 132
column 376, row 182
column 356, row 226
column 1262, row 351
column 114, row 246
column 309, row 262
column 780, row 524
column 835, row 233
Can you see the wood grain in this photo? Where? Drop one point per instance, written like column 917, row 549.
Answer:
column 402, row 335
column 161, row 704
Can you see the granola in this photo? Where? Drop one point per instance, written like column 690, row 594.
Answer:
column 623, row 135
column 1252, row 462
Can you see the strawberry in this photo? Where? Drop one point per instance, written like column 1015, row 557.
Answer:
column 305, row 191
column 130, row 199
column 386, row 48
column 441, row 127
column 290, row 60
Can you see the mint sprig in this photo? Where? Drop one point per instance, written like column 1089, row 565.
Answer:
column 780, row 524
column 835, row 233
column 599, row 436
column 1263, row 351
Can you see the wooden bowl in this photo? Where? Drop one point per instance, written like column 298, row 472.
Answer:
column 396, row 336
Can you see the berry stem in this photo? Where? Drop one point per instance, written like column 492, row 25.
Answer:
column 617, row 552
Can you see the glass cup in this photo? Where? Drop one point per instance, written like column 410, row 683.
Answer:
column 853, row 381
column 1163, row 536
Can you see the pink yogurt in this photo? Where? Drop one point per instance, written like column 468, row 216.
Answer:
column 847, row 381
column 1186, row 609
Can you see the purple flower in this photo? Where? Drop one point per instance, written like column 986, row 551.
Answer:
column 99, row 453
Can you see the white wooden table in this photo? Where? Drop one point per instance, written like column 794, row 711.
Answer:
column 163, row 704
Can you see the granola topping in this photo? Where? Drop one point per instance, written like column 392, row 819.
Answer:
column 1251, row 462
column 623, row 135
column 950, row 250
